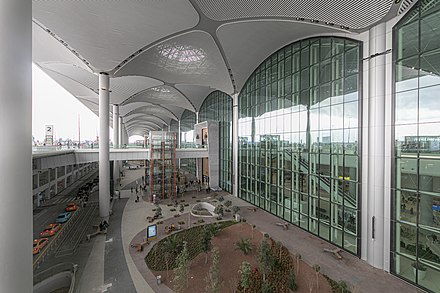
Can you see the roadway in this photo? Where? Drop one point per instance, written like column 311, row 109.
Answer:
column 72, row 233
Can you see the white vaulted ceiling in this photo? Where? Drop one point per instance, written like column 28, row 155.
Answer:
column 166, row 56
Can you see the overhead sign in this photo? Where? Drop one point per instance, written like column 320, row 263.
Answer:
column 49, row 135
column 151, row 232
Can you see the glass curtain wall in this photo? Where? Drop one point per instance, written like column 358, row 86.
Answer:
column 218, row 107
column 299, row 138
column 416, row 185
column 187, row 122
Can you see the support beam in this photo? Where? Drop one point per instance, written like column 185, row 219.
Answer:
column 116, row 145
column 104, row 162
column 235, row 144
column 376, row 147
column 15, row 145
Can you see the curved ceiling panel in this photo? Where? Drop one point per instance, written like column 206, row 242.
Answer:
column 72, row 86
column 126, row 86
column 350, row 13
column 154, row 110
column 191, row 58
column 164, row 95
column 247, row 44
column 46, row 49
column 150, row 117
column 197, row 94
column 106, row 32
column 82, row 76
column 136, row 122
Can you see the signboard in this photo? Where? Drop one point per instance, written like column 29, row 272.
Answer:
column 151, row 232
column 49, row 135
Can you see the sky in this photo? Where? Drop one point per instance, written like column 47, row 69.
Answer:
column 53, row 105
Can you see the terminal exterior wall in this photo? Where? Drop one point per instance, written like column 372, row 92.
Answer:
column 299, row 138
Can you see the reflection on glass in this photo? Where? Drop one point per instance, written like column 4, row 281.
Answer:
column 298, row 132
column 416, row 194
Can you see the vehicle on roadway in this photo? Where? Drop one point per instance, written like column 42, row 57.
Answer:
column 63, row 217
column 50, row 230
column 39, row 244
column 71, row 207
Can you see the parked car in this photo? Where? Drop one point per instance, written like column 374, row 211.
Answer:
column 39, row 244
column 50, row 230
column 71, row 207
column 63, row 217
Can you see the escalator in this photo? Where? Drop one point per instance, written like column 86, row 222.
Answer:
column 324, row 182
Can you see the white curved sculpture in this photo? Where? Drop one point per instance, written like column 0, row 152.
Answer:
column 206, row 206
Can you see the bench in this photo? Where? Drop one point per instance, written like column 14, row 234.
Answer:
column 284, row 225
column 335, row 252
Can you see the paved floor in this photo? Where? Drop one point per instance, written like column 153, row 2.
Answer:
column 98, row 277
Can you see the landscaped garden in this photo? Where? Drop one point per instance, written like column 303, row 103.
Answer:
column 233, row 257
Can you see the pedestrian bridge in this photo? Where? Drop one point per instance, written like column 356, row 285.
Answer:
column 55, row 158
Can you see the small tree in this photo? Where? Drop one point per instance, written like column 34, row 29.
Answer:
column 171, row 247
column 265, row 259
column 221, row 198
column 181, row 208
column 235, row 209
column 317, row 268
column 158, row 212
column 227, row 203
column 245, row 275
column 213, row 229
column 343, row 286
column 206, row 242
column 213, row 278
column 219, row 210
column 244, row 245
column 181, row 272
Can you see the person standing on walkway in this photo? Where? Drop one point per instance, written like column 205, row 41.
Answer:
column 132, row 190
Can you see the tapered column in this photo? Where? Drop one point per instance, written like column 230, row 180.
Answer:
column 116, row 144
column 235, row 144
column 376, row 146
column 15, row 146
column 116, row 126
column 104, row 158
column 197, row 117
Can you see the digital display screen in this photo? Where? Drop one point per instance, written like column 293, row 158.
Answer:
column 151, row 231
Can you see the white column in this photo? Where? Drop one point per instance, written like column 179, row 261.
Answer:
column 121, row 143
column 116, row 144
column 197, row 117
column 178, row 139
column 376, row 147
column 15, row 145
column 235, row 144
column 104, row 162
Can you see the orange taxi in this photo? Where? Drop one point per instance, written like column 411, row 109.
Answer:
column 50, row 230
column 71, row 207
column 39, row 244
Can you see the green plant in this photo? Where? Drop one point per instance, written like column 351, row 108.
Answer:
column 213, row 278
column 221, row 198
column 235, row 209
column 181, row 208
column 245, row 275
column 228, row 203
column 343, row 286
column 181, row 272
column 172, row 247
column 158, row 212
column 266, row 288
column 219, row 210
column 206, row 242
column 244, row 245
column 213, row 229
column 291, row 282
column 265, row 259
